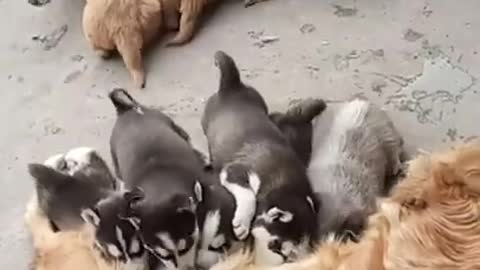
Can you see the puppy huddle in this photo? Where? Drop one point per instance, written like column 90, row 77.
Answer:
column 275, row 184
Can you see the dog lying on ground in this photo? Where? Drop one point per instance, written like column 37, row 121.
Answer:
column 259, row 167
column 355, row 152
column 429, row 223
column 67, row 183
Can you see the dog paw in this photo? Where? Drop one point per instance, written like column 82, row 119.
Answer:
column 241, row 229
column 139, row 79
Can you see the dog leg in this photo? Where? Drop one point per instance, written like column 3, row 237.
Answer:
column 130, row 49
column 188, row 22
column 105, row 54
column 244, row 193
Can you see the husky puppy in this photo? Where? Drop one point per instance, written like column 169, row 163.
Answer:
column 65, row 184
column 259, row 167
column 161, row 172
column 355, row 152
column 68, row 182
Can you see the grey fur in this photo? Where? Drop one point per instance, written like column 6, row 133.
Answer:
column 353, row 162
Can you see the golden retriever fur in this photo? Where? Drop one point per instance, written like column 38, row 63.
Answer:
column 430, row 222
column 72, row 250
column 128, row 26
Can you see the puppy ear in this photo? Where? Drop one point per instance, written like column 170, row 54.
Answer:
column 198, row 190
column 45, row 176
column 282, row 215
column 314, row 202
column 91, row 216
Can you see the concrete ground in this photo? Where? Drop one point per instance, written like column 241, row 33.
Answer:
column 418, row 59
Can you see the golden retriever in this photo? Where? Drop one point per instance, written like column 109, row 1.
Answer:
column 128, row 26
column 430, row 222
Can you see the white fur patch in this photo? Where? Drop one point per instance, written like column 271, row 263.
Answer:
column 54, row 161
column 198, row 191
column 90, row 217
column 254, row 182
column 134, row 246
column 274, row 213
column 162, row 252
column 310, row 202
column 121, row 240
column 78, row 158
column 245, row 201
column 113, row 251
column 206, row 258
column 263, row 255
column 166, row 240
column 182, row 244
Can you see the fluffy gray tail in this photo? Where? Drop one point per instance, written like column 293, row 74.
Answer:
column 122, row 100
column 229, row 75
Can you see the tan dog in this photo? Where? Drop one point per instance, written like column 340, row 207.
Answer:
column 123, row 25
column 431, row 222
column 128, row 26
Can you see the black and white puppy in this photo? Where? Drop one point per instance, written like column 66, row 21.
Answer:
column 261, row 170
column 161, row 172
column 69, row 182
column 355, row 152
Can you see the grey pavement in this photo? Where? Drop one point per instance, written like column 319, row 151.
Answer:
column 419, row 59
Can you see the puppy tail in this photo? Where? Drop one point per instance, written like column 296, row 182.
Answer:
column 122, row 100
column 306, row 110
column 229, row 74
column 45, row 177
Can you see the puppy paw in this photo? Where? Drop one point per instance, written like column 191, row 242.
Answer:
column 139, row 79
column 241, row 228
column 103, row 53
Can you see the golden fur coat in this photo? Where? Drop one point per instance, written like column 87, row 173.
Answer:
column 430, row 222
column 128, row 26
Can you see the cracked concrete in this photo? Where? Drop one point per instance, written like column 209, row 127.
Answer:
column 418, row 59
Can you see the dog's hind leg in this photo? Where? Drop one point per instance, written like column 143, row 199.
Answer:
column 188, row 21
column 130, row 48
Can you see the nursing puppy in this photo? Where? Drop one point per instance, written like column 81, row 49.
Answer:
column 259, row 168
column 161, row 172
column 355, row 152
column 126, row 26
column 65, row 184
column 69, row 182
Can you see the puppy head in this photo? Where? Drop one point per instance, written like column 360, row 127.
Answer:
column 284, row 228
column 340, row 217
column 116, row 236
column 168, row 229
column 69, row 181
column 296, row 125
